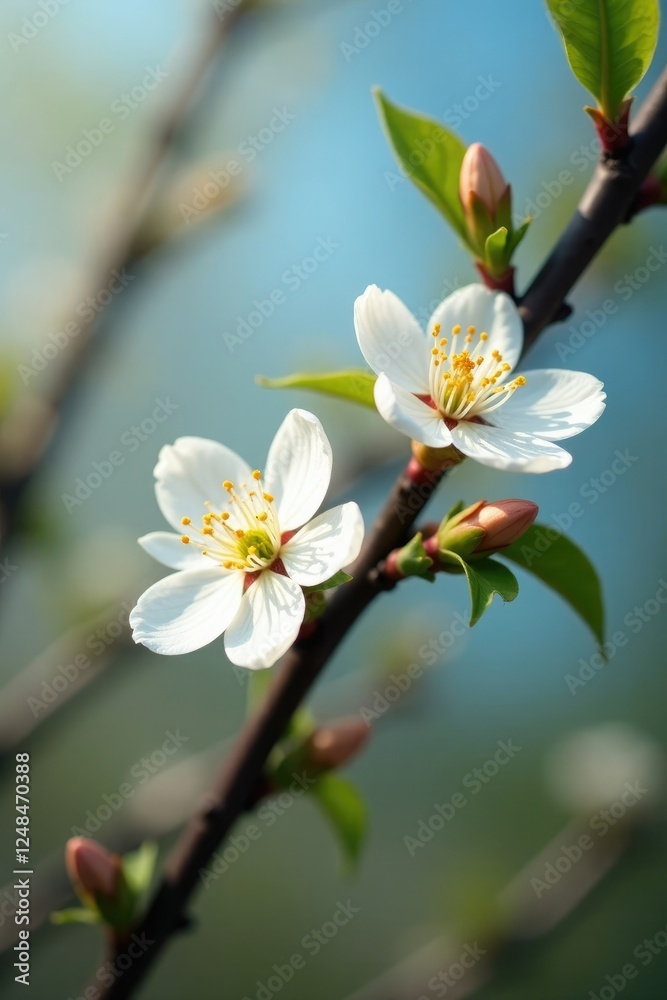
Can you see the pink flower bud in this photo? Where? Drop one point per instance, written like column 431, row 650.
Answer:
column 91, row 868
column 334, row 745
column 481, row 176
column 503, row 521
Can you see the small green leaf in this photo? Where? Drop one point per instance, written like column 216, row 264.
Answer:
column 138, row 867
column 485, row 579
column 497, row 250
column 562, row 565
column 75, row 915
column 412, row 559
column 354, row 385
column 609, row 45
column 431, row 156
column 343, row 805
column 336, row 580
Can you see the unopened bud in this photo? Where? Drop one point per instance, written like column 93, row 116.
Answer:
column 93, row 870
column 486, row 527
column 332, row 746
column 481, row 177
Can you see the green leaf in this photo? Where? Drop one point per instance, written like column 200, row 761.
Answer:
column 336, row 580
column 609, row 45
column 138, row 867
column 75, row 915
column 562, row 565
column 431, row 156
column 345, row 809
column 354, row 385
column 485, row 579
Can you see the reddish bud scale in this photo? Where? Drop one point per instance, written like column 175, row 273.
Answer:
column 505, row 283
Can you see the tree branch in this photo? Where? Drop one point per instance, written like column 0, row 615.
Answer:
column 607, row 203
column 27, row 452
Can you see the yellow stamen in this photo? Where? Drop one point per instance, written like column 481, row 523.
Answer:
column 186, row 520
column 268, row 497
column 456, row 329
column 227, row 485
column 185, row 539
column 257, row 474
column 261, row 517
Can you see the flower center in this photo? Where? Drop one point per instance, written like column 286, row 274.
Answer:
column 241, row 533
column 467, row 379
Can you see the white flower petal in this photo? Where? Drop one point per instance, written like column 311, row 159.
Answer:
column 191, row 471
column 169, row 550
column 508, row 450
column 553, row 404
column 186, row 610
column 391, row 339
column 267, row 622
column 298, row 468
column 326, row 544
column 494, row 313
column 410, row 415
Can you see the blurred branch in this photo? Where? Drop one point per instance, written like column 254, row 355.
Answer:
column 608, row 202
column 523, row 919
column 30, row 443
column 31, row 697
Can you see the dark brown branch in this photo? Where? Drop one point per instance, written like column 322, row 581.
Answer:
column 607, row 203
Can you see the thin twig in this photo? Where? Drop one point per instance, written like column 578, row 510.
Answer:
column 606, row 203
